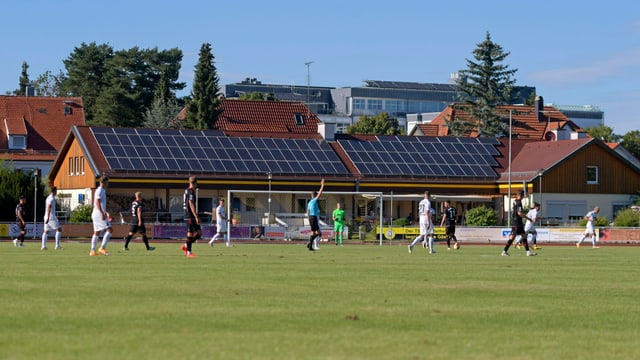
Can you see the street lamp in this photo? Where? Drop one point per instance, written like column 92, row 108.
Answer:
column 509, row 189
column 269, row 200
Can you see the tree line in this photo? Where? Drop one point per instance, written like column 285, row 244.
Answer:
column 132, row 87
column 137, row 88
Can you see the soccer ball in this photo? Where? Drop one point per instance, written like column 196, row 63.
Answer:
column 456, row 246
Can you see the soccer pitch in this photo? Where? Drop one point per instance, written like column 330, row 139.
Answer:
column 274, row 301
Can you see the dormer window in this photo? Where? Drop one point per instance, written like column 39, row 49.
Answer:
column 17, row 142
column 299, row 119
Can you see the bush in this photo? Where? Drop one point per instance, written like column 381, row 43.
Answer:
column 600, row 221
column 81, row 214
column 481, row 216
column 627, row 218
column 401, row 222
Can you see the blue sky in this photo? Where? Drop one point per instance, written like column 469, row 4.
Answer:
column 574, row 53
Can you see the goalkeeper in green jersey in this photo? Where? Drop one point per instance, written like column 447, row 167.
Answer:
column 338, row 223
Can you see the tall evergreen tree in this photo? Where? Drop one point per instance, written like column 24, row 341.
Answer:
column 164, row 110
column 86, row 69
column 24, row 80
column 204, row 107
column 486, row 84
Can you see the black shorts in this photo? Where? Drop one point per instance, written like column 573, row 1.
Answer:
column 518, row 230
column 21, row 226
column 450, row 230
column 313, row 222
column 138, row 229
column 192, row 226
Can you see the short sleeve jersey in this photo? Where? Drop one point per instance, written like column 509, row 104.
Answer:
column 50, row 202
column 19, row 212
column 424, row 211
column 135, row 205
column 592, row 217
column 450, row 216
column 517, row 208
column 221, row 217
column 533, row 215
column 100, row 200
column 313, row 208
column 338, row 215
column 189, row 196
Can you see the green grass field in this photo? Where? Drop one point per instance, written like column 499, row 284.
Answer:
column 268, row 301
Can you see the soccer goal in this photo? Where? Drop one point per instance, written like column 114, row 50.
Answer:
column 282, row 214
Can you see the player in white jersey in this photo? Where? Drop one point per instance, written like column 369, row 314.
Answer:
column 589, row 231
column 101, row 219
column 530, row 227
column 426, row 224
column 51, row 220
column 221, row 225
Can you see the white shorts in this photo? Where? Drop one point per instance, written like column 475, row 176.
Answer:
column 52, row 225
column 530, row 228
column 424, row 230
column 99, row 224
column 221, row 227
column 589, row 229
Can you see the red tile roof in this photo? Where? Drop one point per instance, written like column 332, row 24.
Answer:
column 263, row 117
column 45, row 120
column 526, row 124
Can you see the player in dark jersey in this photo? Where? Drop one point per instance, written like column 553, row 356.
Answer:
column 449, row 218
column 518, row 226
column 194, row 232
column 137, row 223
column 22, row 225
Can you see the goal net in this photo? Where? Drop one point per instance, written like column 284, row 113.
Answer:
column 281, row 215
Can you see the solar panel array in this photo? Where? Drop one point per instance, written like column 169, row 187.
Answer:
column 193, row 151
column 403, row 156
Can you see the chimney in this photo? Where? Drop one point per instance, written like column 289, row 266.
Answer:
column 539, row 104
column 327, row 130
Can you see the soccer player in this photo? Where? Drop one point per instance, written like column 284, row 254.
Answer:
column 426, row 224
column 221, row 225
column 449, row 217
column 137, row 223
column 518, row 214
column 338, row 223
column 313, row 212
column 530, row 225
column 101, row 219
column 22, row 225
column 51, row 220
column 589, row 231
column 194, row 232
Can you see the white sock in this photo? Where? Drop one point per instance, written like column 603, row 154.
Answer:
column 415, row 241
column 58, row 236
column 94, row 242
column 582, row 239
column 431, row 243
column 44, row 239
column 105, row 239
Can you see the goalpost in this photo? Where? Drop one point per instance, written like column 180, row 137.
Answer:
column 281, row 214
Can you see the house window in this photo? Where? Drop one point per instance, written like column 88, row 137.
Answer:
column 299, row 119
column 358, row 104
column 81, row 165
column 17, row 142
column 592, row 174
column 77, row 166
column 71, row 166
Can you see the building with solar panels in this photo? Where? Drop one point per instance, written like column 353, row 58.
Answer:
column 282, row 147
column 344, row 106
